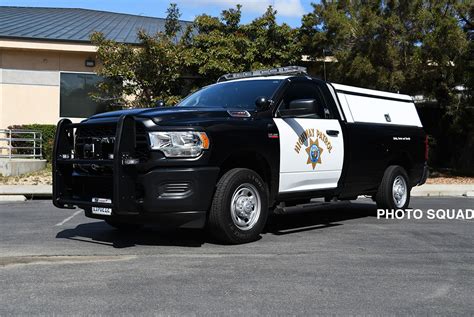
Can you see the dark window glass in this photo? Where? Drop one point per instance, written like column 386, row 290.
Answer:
column 75, row 100
column 234, row 94
column 306, row 90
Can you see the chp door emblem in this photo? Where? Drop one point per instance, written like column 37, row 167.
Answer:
column 313, row 141
column 314, row 153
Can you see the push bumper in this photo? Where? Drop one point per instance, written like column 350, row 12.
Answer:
column 169, row 196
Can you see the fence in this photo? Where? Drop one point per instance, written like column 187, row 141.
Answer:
column 21, row 144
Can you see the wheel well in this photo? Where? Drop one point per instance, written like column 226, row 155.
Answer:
column 250, row 160
column 404, row 161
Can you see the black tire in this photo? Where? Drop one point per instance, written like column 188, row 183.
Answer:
column 220, row 222
column 384, row 196
column 124, row 226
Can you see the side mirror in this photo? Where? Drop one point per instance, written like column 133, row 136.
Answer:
column 263, row 103
column 299, row 108
column 159, row 103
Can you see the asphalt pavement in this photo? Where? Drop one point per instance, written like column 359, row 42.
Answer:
column 330, row 260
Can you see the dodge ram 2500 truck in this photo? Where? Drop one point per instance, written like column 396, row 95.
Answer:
column 228, row 153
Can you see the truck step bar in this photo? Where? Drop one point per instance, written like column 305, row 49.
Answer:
column 282, row 209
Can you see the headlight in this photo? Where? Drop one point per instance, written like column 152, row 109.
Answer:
column 179, row 143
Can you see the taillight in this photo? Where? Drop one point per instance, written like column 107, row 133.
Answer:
column 427, row 148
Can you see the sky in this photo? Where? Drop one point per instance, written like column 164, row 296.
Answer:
column 289, row 11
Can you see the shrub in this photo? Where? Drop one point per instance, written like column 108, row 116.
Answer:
column 48, row 131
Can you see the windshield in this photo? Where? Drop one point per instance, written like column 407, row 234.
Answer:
column 240, row 94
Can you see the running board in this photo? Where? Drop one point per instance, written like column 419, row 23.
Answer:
column 282, row 209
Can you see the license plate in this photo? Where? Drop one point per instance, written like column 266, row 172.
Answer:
column 103, row 211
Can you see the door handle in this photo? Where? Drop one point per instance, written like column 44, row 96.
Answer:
column 332, row 132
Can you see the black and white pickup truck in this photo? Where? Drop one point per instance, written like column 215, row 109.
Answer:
column 232, row 152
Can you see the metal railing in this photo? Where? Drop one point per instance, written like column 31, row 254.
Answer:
column 21, row 144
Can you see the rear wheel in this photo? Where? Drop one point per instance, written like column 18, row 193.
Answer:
column 240, row 207
column 394, row 190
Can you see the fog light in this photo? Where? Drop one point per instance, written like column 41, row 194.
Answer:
column 111, row 156
column 130, row 161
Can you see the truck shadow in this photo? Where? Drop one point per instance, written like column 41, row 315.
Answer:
column 101, row 233
column 320, row 217
column 304, row 219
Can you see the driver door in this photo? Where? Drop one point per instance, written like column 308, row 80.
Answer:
column 311, row 141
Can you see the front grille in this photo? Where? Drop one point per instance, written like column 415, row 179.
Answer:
column 97, row 142
column 142, row 149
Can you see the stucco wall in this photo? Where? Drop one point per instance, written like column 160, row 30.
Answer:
column 29, row 103
column 29, row 83
column 1, row 92
column 45, row 60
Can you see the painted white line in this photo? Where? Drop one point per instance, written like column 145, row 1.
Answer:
column 69, row 218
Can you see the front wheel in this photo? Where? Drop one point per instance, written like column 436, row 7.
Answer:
column 240, row 207
column 394, row 190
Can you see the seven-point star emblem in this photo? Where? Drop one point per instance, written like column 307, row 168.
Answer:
column 314, row 153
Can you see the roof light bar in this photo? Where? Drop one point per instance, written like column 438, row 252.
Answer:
column 287, row 70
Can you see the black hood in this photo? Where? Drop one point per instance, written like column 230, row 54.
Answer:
column 170, row 115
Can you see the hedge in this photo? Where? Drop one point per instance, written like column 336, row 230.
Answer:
column 48, row 131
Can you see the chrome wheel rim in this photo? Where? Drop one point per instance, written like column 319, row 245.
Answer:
column 399, row 191
column 245, row 206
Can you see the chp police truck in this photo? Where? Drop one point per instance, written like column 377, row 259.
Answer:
column 230, row 153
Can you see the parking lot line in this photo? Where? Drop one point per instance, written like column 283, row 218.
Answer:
column 68, row 218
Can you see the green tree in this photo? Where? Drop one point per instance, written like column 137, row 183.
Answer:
column 172, row 23
column 370, row 41
column 216, row 46
column 138, row 76
column 273, row 44
column 162, row 66
column 115, row 61
column 416, row 47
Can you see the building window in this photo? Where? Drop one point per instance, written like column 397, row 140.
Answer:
column 75, row 98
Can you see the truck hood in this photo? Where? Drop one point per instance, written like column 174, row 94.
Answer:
column 169, row 115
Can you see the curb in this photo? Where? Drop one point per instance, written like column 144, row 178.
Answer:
column 26, row 190
column 12, row 198
column 441, row 190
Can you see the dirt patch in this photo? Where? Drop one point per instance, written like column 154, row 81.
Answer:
column 458, row 180
column 42, row 177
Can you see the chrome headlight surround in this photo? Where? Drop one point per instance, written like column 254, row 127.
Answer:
column 179, row 144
